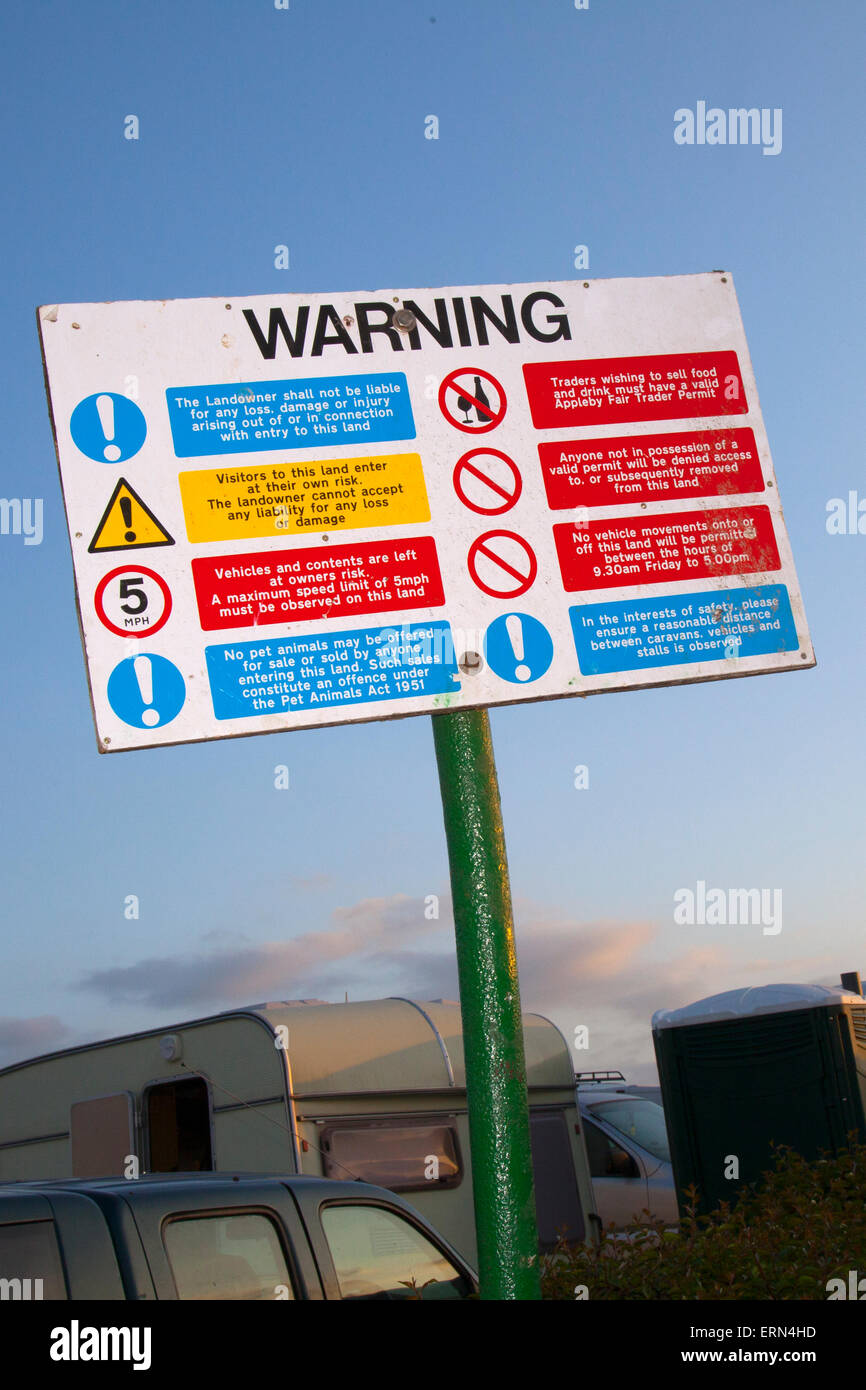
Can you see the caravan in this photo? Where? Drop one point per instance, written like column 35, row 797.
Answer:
column 373, row 1091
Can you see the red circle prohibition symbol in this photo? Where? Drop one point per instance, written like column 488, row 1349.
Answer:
column 481, row 408
column 98, row 601
column 522, row 578
column 465, row 465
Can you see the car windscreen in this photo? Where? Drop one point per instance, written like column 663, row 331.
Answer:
column 640, row 1120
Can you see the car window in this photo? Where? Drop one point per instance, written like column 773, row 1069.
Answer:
column 607, row 1159
column 30, row 1267
column 379, row 1254
column 640, row 1120
column 238, row 1256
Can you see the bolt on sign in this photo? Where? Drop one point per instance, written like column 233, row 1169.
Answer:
column 326, row 544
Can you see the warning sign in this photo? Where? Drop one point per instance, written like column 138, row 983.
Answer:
column 678, row 545
column 108, row 427
column 650, row 467
column 487, row 481
column 334, row 549
column 724, row 625
column 330, row 670
column 332, row 494
column 613, row 390
column 472, row 399
column 128, row 524
column 133, row 601
column 146, row 691
column 283, row 586
column 518, row 648
column 251, row 416
column 502, row 564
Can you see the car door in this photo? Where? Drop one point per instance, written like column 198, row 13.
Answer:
column 638, row 1124
column 619, row 1179
column 230, row 1242
column 369, row 1248
column 30, row 1261
column 662, row 1193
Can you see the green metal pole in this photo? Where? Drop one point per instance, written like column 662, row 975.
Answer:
column 490, row 1004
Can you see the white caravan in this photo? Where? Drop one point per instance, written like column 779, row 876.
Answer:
column 373, row 1090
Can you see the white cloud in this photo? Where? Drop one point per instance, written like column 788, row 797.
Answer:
column 25, row 1037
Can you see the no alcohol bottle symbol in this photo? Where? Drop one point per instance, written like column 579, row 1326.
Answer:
column 146, row 691
column 472, row 400
column 107, row 427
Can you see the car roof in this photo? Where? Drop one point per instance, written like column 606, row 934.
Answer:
column 599, row 1091
column 333, row 1187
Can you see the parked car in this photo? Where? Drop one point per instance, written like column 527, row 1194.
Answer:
column 220, row 1236
column 629, row 1156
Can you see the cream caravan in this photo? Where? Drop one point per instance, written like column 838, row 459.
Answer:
column 374, row 1091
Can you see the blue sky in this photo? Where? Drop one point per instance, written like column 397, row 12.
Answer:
column 305, row 127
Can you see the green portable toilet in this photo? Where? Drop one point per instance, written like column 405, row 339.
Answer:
column 740, row 1071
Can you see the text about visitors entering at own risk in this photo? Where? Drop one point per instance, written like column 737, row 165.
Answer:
column 323, row 495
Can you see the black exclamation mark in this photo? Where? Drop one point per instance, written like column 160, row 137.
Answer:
column 126, row 508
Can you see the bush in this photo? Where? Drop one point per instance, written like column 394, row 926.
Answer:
column 802, row 1225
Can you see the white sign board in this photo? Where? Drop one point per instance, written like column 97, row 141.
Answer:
column 298, row 510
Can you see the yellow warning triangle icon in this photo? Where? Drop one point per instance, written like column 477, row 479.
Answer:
column 127, row 524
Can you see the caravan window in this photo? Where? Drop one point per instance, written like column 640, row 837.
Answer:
column 402, row 1156
column 178, row 1127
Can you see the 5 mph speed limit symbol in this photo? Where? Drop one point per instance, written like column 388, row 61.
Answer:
column 133, row 601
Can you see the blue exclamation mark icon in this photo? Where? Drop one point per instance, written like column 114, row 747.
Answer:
column 105, row 410
column 518, row 648
column 108, row 427
column 144, row 675
column 146, row 691
column 514, row 628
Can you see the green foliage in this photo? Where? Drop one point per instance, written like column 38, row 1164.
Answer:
column 805, row 1223
column 416, row 1290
